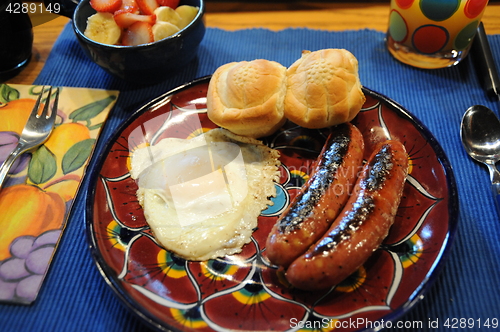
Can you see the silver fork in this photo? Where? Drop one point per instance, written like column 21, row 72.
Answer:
column 36, row 131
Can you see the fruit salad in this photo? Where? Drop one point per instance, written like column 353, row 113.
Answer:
column 136, row 22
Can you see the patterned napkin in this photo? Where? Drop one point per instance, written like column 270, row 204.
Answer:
column 38, row 194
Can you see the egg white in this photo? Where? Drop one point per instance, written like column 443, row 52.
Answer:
column 202, row 196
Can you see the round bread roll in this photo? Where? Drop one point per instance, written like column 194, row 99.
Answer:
column 323, row 89
column 247, row 97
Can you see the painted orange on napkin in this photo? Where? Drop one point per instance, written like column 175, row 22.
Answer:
column 38, row 194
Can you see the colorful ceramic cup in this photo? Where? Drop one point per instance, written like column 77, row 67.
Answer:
column 433, row 33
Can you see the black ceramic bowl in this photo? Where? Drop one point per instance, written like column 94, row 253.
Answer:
column 143, row 64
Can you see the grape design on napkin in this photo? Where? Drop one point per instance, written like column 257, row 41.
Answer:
column 37, row 196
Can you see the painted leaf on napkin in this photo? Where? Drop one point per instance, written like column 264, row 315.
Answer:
column 37, row 196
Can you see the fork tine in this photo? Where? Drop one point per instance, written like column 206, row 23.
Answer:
column 46, row 106
column 45, row 111
column 35, row 110
column 55, row 105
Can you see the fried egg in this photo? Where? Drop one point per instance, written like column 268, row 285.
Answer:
column 202, row 196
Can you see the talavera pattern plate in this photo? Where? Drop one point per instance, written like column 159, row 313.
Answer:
column 244, row 292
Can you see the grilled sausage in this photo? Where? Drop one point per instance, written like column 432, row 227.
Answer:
column 321, row 198
column 361, row 226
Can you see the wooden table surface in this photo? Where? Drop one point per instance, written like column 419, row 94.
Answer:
column 234, row 15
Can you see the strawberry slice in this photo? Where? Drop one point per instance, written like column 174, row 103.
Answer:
column 169, row 3
column 147, row 7
column 125, row 19
column 130, row 6
column 137, row 34
column 106, row 6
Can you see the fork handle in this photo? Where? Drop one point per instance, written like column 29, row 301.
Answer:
column 7, row 164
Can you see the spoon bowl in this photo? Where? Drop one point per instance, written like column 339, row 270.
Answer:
column 480, row 134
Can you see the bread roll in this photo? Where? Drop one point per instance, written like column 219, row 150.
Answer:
column 247, row 98
column 323, row 89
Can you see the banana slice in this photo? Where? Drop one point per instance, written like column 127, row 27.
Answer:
column 163, row 30
column 167, row 14
column 187, row 14
column 102, row 28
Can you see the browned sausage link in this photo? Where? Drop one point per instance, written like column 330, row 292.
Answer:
column 361, row 226
column 321, row 199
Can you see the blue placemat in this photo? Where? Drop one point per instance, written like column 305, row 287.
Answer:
column 76, row 298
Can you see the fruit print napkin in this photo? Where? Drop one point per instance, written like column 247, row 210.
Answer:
column 37, row 195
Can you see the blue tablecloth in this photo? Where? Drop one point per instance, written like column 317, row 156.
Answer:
column 75, row 297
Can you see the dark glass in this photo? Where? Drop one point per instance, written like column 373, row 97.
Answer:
column 16, row 38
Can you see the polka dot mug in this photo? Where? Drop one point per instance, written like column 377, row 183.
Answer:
column 433, row 33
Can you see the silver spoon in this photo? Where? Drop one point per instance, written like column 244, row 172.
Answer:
column 480, row 133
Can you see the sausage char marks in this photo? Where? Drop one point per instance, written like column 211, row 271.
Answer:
column 321, row 198
column 361, row 226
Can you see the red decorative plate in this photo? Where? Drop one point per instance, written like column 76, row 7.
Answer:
column 243, row 292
